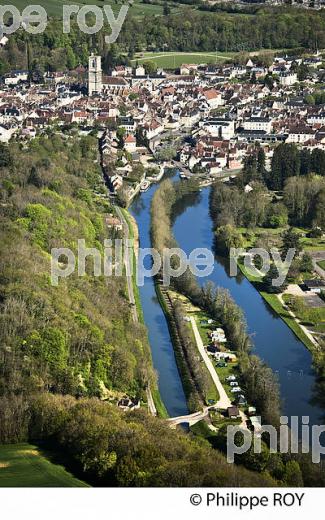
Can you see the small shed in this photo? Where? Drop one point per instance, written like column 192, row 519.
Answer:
column 251, row 411
column 233, row 412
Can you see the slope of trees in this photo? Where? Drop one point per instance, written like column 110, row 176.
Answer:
column 76, row 338
column 112, row 448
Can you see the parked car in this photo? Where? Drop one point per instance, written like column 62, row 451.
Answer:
column 233, row 383
column 231, row 378
column 235, row 390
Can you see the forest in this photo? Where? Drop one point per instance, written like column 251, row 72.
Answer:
column 76, row 338
column 186, row 30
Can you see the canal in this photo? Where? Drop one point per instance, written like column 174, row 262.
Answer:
column 273, row 340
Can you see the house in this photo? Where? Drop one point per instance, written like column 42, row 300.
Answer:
column 113, row 222
column 6, row 132
column 258, row 123
column 15, row 77
column 219, row 127
column 213, row 97
column 212, row 349
column 287, row 78
column 128, row 123
column 300, row 134
column 187, row 69
column 140, row 71
column 251, row 411
column 128, row 404
column 4, row 40
column 115, row 182
column 241, row 400
column 316, row 286
column 233, row 412
column 130, row 143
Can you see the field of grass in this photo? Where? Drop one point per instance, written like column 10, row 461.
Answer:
column 172, row 60
column 321, row 264
column 23, row 465
column 311, row 317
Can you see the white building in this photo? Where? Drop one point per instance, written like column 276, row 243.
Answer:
column 15, row 77
column 222, row 128
column 258, row 123
column 95, row 75
column 287, row 78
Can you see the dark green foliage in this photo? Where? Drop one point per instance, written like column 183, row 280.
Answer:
column 285, row 164
column 112, row 448
column 270, row 281
column 78, row 337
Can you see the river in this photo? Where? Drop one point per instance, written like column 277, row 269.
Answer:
column 273, row 340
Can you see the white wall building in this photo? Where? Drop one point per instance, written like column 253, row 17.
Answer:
column 288, row 78
column 95, row 75
column 258, row 123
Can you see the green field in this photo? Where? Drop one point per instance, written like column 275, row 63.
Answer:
column 176, row 59
column 23, row 465
column 321, row 264
column 137, row 9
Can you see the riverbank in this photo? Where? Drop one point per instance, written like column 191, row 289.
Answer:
column 187, row 381
column 155, row 403
column 276, row 305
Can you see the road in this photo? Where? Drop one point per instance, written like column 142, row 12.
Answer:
column 129, row 279
column 317, row 256
column 190, row 419
column 224, row 401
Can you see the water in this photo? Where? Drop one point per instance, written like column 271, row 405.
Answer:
column 170, row 385
column 274, row 341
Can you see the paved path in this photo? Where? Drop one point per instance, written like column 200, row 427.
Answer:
column 129, row 278
column 317, row 256
column 190, row 419
column 224, row 401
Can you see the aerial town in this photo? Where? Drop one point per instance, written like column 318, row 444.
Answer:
column 211, row 116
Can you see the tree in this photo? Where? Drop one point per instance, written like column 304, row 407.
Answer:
column 285, row 164
column 293, row 475
column 5, row 157
column 302, row 72
column 261, row 170
column 166, row 9
column 150, row 67
column 305, row 161
column 306, row 263
column 249, row 172
column 277, row 215
column 291, row 240
column 228, row 237
column 270, row 281
column 318, row 161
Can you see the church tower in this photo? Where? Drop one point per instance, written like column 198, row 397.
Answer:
column 95, row 75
